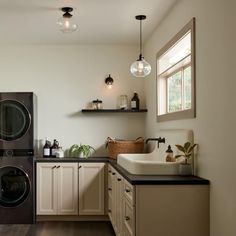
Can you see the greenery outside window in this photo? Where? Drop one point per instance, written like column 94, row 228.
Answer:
column 176, row 76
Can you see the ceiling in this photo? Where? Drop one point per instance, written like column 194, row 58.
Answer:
column 99, row 21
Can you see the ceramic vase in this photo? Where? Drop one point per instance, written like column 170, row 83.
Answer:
column 185, row 169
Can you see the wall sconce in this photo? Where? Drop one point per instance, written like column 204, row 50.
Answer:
column 66, row 23
column 109, row 81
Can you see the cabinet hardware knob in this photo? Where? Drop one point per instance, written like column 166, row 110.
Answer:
column 80, row 167
column 109, row 210
column 127, row 190
column 109, row 171
column 127, row 218
column 113, row 173
column 109, row 189
column 58, row 167
column 54, row 167
column 118, row 179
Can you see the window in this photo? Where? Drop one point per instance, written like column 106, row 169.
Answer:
column 175, row 76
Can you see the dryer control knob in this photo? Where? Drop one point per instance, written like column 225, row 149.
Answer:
column 9, row 153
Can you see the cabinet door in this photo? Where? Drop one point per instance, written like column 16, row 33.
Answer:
column 129, row 218
column 46, row 188
column 119, row 203
column 91, row 188
column 109, row 182
column 67, row 188
column 114, row 199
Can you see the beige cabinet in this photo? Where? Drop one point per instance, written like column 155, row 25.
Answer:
column 129, row 209
column 57, row 188
column 137, row 210
column 91, row 188
column 161, row 210
column 110, row 194
column 116, row 200
column 119, row 183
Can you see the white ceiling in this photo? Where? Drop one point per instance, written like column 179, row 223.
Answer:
column 99, row 21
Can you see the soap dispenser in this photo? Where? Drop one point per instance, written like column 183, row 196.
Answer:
column 169, row 155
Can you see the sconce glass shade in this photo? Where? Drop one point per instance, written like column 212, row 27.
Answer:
column 140, row 68
column 109, row 81
column 66, row 23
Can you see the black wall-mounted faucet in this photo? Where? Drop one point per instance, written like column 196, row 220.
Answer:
column 158, row 140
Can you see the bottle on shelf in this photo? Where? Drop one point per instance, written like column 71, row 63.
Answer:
column 46, row 148
column 54, row 148
column 135, row 102
column 169, row 155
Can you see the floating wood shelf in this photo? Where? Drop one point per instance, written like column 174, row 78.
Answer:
column 113, row 111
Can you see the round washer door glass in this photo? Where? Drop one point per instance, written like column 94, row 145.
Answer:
column 14, row 120
column 15, row 186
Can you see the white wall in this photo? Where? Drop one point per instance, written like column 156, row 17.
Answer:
column 65, row 79
column 214, row 127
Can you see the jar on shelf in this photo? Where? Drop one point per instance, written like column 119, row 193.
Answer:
column 123, row 102
column 97, row 104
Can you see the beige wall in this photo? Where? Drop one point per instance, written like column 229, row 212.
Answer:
column 65, row 79
column 214, row 127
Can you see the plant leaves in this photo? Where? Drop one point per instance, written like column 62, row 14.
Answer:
column 181, row 148
column 187, row 145
column 177, row 156
column 192, row 147
column 188, row 155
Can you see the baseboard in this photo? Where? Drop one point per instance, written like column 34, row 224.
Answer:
column 72, row 218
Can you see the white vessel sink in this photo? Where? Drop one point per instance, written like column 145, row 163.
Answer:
column 154, row 163
column 145, row 164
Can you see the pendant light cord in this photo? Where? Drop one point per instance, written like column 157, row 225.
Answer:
column 140, row 40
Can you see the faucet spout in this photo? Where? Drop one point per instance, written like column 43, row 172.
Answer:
column 158, row 140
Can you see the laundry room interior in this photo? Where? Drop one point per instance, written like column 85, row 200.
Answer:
column 116, row 118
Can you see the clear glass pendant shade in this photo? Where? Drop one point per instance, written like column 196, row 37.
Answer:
column 66, row 25
column 140, row 68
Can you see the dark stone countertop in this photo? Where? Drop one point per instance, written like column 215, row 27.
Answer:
column 71, row 159
column 136, row 179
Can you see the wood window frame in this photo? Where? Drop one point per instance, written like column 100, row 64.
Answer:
column 183, row 114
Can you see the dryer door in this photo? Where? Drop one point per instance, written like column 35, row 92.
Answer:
column 14, row 120
column 14, row 186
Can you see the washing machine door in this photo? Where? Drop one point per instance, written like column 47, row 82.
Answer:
column 14, row 120
column 14, row 186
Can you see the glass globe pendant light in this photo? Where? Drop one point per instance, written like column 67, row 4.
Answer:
column 140, row 68
column 66, row 23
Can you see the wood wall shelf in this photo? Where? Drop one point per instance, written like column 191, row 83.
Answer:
column 113, row 111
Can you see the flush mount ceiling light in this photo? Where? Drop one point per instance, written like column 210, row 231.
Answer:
column 66, row 23
column 140, row 68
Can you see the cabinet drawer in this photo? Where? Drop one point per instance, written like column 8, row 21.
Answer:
column 110, row 207
column 109, row 187
column 126, row 232
column 109, row 169
column 128, row 218
column 129, row 192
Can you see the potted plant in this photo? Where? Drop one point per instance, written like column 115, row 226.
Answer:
column 82, row 150
column 187, row 152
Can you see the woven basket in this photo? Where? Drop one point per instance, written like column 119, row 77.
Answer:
column 116, row 147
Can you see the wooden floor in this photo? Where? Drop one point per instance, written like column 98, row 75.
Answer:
column 78, row 228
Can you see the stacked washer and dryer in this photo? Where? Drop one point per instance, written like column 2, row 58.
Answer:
column 17, row 145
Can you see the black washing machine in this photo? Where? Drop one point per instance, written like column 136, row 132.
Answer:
column 17, row 145
column 17, row 198
column 17, row 124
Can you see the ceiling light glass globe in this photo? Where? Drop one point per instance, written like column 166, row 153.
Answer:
column 66, row 25
column 140, row 68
